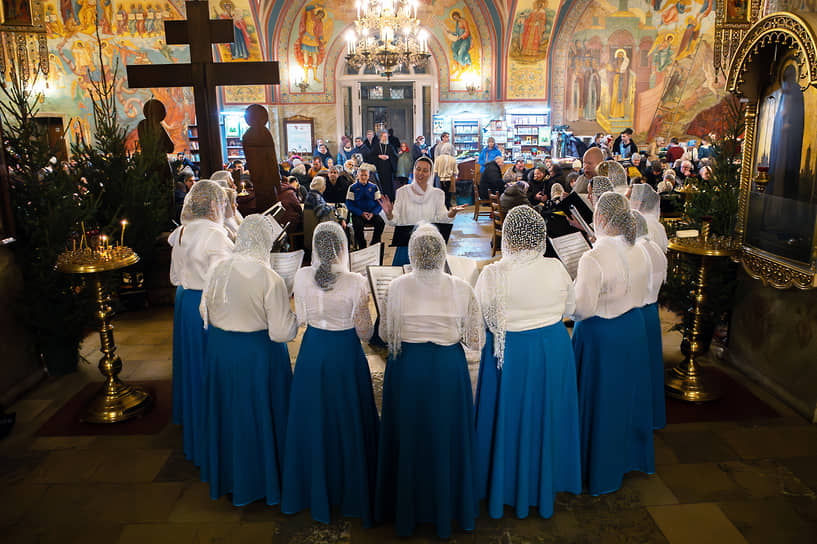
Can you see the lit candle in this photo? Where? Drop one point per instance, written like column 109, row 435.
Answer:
column 104, row 241
column 124, row 224
column 75, row 244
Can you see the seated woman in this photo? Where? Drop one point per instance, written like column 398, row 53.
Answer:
column 199, row 243
column 652, row 321
column 418, row 202
column 609, row 340
column 314, row 200
column 245, row 307
column 293, row 213
column 527, row 412
column 427, row 467
column 515, row 194
column 331, row 445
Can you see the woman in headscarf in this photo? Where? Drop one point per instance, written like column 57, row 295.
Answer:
column 331, row 445
column 197, row 244
column 527, row 413
column 232, row 217
column 645, row 200
column 427, row 467
column 418, row 202
column 245, row 307
column 652, row 321
column 609, row 340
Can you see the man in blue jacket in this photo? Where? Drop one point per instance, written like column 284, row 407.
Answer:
column 362, row 202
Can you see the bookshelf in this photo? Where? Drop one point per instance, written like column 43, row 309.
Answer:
column 193, row 140
column 466, row 136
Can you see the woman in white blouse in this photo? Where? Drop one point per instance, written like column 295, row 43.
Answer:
column 198, row 243
column 416, row 203
column 426, row 469
column 331, row 445
column 527, row 412
column 652, row 321
column 647, row 202
column 247, row 375
column 609, row 340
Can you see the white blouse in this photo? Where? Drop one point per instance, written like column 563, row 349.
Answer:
column 345, row 306
column 410, row 209
column 442, row 310
column 640, row 265
column 256, row 300
column 658, row 233
column 602, row 280
column 540, row 293
column 658, row 274
column 197, row 246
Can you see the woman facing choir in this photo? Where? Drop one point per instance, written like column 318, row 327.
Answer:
column 652, row 321
column 200, row 242
column 609, row 340
column 427, row 467
column 418, row 202
column 247, row 374
column 331, row 445
column 527, row 415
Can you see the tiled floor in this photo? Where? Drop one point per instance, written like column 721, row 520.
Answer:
column 722, row 482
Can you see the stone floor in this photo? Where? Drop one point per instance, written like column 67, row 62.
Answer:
column 723, row 482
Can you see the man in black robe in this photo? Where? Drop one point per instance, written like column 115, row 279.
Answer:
column 383, row 157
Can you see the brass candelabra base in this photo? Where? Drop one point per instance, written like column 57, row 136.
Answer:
column 115, row 401
column 687, row 381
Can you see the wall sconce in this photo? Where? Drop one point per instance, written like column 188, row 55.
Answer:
column 472, row 83
column 299, row 79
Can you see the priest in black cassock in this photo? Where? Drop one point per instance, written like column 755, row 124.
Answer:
column 384, row 159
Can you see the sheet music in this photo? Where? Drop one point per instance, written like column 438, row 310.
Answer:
column 361, row 259
column 578, row 217
column 463, row 268
column 273, row 210
column 379, row 279
column 570, row 248
column 286, row 265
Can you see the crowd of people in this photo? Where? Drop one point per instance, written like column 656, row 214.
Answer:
column 552, row 413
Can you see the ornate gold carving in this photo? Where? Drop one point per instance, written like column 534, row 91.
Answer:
column 779, row 29
column 746, row 168
column 729, row 34
column 775, row 273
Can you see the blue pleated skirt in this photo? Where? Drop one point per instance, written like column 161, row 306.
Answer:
column 426, row 465
column 193, row 340
column 331, row 442
column 615, row 399
column 178, row 390
column 527, row 421
column 652, row 323
column 246, row 393
column 401, row 256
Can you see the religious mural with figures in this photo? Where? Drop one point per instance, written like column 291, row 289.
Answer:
column 527, row 50
column 624, row 59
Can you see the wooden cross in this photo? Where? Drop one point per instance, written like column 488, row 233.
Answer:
column 204, row 75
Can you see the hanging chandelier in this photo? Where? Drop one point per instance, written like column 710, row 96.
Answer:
column 387, row 36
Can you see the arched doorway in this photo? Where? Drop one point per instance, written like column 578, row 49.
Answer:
column 366, row 100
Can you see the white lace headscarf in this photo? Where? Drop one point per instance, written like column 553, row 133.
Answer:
column 427, row 252
column 598, row 186
column 253, row 243
column 616, row 173
column 612, row 216
column 640, row 228
column 524, row 240
column 330, row 254
column 645, row 200
column 206, row 200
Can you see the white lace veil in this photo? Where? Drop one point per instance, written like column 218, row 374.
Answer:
column 641, row 229
column 645, row 200
column 612, row 216
column 580, row 187
column 330, row 254
column 616, row 173
column 524, row 240
column 222, row 175
column 253, row 242
column 206, row 200
column 600, row 185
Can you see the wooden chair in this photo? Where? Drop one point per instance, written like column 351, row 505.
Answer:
column 496, row 219
column 477, row 201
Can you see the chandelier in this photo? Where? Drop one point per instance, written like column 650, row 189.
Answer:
column 387, row 35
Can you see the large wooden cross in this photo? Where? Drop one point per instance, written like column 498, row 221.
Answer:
column 204, row 75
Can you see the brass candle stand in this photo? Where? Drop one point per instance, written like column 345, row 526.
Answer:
column 115, row 401
column 687, row 381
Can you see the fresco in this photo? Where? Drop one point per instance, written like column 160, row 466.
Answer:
column 623, row 60
column 310, row 38
column 527, row 52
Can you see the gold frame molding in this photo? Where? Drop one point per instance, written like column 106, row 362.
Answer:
column 728, row 34
column 745, row 78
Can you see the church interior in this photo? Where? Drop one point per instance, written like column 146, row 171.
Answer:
column 675, row 129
